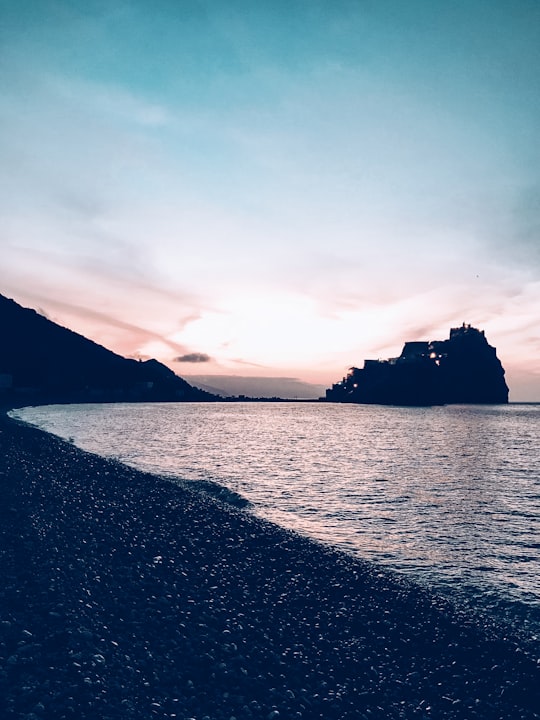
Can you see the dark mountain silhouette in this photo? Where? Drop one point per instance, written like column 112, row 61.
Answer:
column 462, row 369
column 43, row 361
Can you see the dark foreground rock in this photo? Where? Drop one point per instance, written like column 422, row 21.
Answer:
column 125, row 596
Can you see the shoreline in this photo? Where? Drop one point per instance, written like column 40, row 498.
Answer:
column 128, row 596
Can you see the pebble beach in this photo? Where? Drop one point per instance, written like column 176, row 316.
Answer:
column 125, row 595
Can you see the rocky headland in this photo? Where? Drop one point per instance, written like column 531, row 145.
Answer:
column 462, row 369
column 126, row 596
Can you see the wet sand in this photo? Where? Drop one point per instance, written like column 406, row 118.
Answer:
column 126, row 596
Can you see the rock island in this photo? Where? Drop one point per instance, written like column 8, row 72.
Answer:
column 462, row 369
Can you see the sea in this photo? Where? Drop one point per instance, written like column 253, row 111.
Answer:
column 448, row 495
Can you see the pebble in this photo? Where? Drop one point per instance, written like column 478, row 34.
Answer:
column 135, row 598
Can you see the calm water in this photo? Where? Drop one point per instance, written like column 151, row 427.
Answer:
column 448, row 495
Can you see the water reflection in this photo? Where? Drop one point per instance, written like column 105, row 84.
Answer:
column 449, row 494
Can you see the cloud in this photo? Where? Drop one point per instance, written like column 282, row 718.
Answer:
column 193, row 358
column 138, row 334
column 114, row 102
column 240, row 361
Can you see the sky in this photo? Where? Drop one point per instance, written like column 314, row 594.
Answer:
column 274, row 188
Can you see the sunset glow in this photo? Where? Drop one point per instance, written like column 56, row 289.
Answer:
column 279, row 189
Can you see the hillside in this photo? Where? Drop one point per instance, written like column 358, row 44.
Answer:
column 45, row 362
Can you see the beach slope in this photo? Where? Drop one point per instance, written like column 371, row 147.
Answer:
column 126, row 596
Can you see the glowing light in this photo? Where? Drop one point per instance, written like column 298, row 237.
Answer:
column 274, row 329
